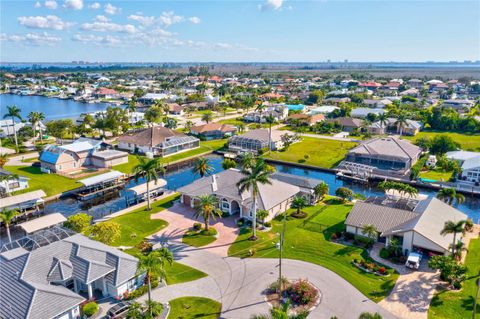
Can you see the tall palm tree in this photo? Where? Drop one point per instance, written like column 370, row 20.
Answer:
column 35, row 118
column 153, row 265
column 253, row 176
column 401, row 122
column 6, row 178
column 202, row 167
column 370, row 231
column 13, row 112
column 7, row 216
column 247, row 160
column 207, row 208
column 321, row 190
column 270, row 119
column 458, row 248
column 453, row 228
column 449, row 195
column 148, row 168
column 299, row 202
column 382, row 118
column 188, row 125
column 207, row 117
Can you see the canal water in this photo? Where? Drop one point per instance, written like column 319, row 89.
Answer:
column 178, row 177
column 52, row 108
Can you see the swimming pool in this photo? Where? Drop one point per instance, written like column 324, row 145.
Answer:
column 296, row 107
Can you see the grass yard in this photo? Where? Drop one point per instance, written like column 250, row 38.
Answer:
column 437, row 175
column 321, row 152
column 307, row 240
column 194, row 307
column 468, row 142
column 205, row 147
column 459, row 304
column 199, row 238
column 52, row 184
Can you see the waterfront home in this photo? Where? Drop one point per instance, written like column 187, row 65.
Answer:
column 362, row 112
column 49, row 273
column 337, row 100
column 305, row 184
column 8, row 127
column 306, row 119
column 274, row 198
column 470, row 164
column 105, row 93
column 10, row 184
column 415, row 223
column 348, row 124
column 150, row 98
column 279, row 113
column 212, row 131
column 390, row 126
column 323, row 109
column 255, row 140
column 389, row 155
column 157, row 140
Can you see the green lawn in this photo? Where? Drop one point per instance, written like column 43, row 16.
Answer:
column 52, row 184
column 307, row 240
column 321, row 152
column 437, row 175
column 137, row 225
column 459, row 304
column 194, row 307
column 205, row 147
column 178, row 273
column 199, row 238
column 468, row 142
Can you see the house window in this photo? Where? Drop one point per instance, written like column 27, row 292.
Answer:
column 225, row 204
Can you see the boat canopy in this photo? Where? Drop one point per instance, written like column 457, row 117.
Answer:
column 43, row 222
column 102, row 178
column 142, row 188
column 18, row 200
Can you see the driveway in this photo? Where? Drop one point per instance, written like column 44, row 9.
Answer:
column 17, row 160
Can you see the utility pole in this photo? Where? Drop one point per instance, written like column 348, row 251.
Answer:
column 282, row 235
column 476, row 297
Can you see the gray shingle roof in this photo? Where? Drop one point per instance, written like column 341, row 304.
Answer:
column 387, row 146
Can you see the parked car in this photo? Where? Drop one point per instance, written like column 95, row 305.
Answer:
column 119, row 310
column 413, row 261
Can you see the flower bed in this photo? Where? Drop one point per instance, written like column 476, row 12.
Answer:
column 301, row 295
column 371, row 267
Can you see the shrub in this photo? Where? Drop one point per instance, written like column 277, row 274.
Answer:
column 240, row 222
column 349, row 236
column 145, row 246
column 302, row 292
column 333, row 237
column 267, row 224
column 381, row 270
column 89, row 309
column 78, row 222
column 142, row 290
column 197, row 226
column 384, row 253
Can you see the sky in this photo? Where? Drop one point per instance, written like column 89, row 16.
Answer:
column 239, row 31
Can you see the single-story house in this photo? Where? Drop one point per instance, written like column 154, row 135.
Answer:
column 362, row 112
column 389, row 154
column 416, row 224
column 50, row 278
column 306, row 184
column 278, row 112
column 256, row 140
column 377, row 103
column 11, row 184
column 306, row 119
column 274, row 198
column 211, row 131
column 469, row 162
column 459, row 104
column 411, row 127
column 176, row 109
column 157, row 140
column 323, row 109
column 105, row 93
column 348, row 124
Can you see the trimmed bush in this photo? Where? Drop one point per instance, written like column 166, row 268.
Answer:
column 384, row 253
column 90, row 308
column 197, row 226
column 267, row 224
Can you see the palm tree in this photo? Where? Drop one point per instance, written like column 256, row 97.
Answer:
column 7, row 216
column 401, row 122
column 370, row 231
column 207, row 117
column 458, row 248
column 207, row 208
column 282, row 313
column 448, row 195
column 382, row 118
column 299, row 203
column 6, row 178
column 131, row 106
column 202, row 167
column 148, row 168
column 154, row 307
column 368, row 315
column 270, row 120
column 135, row 311
column 321, row 190
column 188, row 125
column 228, row 163
column 153, row 265
column 3, row 160
column 13, row 112
column 453, row 228
column 35, row 118
column 254, row 175
column 247, row 160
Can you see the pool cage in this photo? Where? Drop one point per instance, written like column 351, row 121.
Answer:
column 39, row 239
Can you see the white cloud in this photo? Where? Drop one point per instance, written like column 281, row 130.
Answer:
column 101, row 18
column 38, row 5
column 73, row 4
column 51, row 4
column 107, row 40
column 41, row 22
column 194, row 20
column 36, row 39
column 94, row 6
column 271, row 5
column 169, row 17
column 143, row 20
column 223, row 45
column 108, row 27
column 110, row 9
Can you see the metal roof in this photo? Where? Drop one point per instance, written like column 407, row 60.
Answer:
column 16, row 200
column 42, row 222
column 142, row 188
column 110, row 176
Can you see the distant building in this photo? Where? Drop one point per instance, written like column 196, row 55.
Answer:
column 306, row 119
column 470, row 164
column 459, row 104
column 105, row 93
column 211, row 131
column 377, row 103
column 11, row 184
column 390, row 126
column 255, row 140
column 278, row 112
column 348, row 124
column 362, row 112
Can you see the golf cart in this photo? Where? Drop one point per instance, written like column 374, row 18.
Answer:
column 413, row 261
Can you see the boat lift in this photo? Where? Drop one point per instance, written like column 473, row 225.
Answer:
column 157, row 188
column 100, row 185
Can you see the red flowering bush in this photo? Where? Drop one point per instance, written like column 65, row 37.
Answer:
column 302, row 292
column 381, row 270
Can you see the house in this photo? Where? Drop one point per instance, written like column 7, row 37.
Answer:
column 385, row 154
column 306, row 119
column 108, row 158
column 278, row 112
column 10, row 183
column 390, row 126
column 377, row 103
column 8, row 127
column 307, row 185
column 49, row 273
column 415, row 223
column 176, row 109
column 410, row 92
column 415, row 83
column 255, row 140
column 337, row 100
column 459, row 104
column 157, row 140
column 274, row 198
column 370, row 85
column 470, row 164
column 323, row 109
column 348, row 124
column 362, row 112
column 212, row 131
column 105, row 93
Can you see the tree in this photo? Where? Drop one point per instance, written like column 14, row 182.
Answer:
column 131, row 106
column 188, row 125
column 383, row 118
column 207, row 208
column 344, row 193
column 3, row 160
column 450, row 270
column 152, row 265
column 299, row 203
column 154, row 307
column 60, row 128
column 202, row 167
column 253, row 176
column 247, row 160
column 148, row 168
column 458, row 249
column 7, row 216
column 78, row 222
column 442, row 144
column 106, row 232
column 35, row 118
column 207, row 117
column 270, row 120
column 154, row 114
column 282, row 313
column 228, row 163
column 287, row 140
column 321, row 190
column 262, row 214
column 368, row 315
column 402, row 188
column 401, row 122
column 449, row 195
column 135, row 311
column 370, row 231
column 13, row 112
column 454, row 228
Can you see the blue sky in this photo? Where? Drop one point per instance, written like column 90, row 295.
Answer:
column 267, row 30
